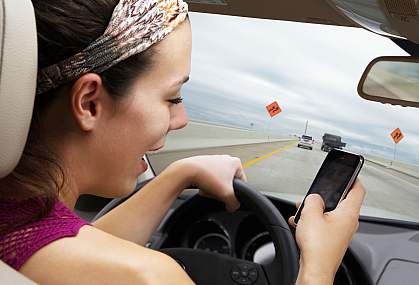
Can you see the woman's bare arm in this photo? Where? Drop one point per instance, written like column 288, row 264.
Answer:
column 136, row 219
column 95, row 257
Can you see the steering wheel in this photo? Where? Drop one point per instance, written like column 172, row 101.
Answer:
column 208, row 268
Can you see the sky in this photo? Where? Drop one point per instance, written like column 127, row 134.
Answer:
column 240, row 65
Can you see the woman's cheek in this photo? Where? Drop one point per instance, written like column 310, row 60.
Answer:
column 160, row 125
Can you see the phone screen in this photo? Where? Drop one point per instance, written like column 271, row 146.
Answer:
column 335, row 176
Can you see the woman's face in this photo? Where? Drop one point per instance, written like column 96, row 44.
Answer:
column 140, row 121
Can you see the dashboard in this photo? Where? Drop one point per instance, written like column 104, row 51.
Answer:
column 382, row 252
column 200, row 223
column 240, row 235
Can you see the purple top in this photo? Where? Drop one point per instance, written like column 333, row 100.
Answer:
column 18, row 245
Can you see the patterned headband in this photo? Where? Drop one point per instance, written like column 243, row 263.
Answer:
column 134, row 27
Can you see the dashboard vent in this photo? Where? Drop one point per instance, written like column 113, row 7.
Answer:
column 401, row 8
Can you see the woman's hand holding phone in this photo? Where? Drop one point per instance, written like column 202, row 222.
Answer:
column 323, row 238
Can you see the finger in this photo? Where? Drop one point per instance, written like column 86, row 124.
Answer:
column 313, row 206
column 298, row 204
column 230, row 199
column 240, row 174
column 291, row 221
column 232, row 205
column 355, row 197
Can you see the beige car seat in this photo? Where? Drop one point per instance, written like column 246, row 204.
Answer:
column 18, row 66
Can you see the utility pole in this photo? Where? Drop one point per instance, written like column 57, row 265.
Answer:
column 305, row 131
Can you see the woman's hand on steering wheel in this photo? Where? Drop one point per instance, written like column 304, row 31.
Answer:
column 213, row 175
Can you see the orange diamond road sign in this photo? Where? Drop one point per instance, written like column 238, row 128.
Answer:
column 397, row 135
column 273, row 109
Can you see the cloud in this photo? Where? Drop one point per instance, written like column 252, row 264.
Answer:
column 239, row 65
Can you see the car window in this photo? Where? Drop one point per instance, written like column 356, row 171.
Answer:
column 257, row 86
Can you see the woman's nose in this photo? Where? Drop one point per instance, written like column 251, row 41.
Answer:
column 178, row 118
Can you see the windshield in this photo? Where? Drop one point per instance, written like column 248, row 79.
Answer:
column 307, row 138
column 331, row 138
column 242, row 66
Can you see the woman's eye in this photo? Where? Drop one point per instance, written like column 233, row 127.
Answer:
column 177, row 100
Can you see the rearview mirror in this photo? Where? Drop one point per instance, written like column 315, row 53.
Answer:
column 393, row 80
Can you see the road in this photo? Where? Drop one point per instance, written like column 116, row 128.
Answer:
column 281, row 167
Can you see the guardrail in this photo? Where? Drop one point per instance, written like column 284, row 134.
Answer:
column 198, row 135
column 407, row 169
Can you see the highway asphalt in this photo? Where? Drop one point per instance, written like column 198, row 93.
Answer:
column 281, row 167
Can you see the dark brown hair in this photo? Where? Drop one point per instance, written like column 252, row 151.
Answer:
column 65, row 27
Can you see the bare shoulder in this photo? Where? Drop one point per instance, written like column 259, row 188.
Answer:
column 94, row 256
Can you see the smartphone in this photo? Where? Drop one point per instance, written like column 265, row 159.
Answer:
column 334, row 179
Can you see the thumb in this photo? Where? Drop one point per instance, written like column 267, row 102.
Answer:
column 232, row 205
column 230, row 201
column 313, row 206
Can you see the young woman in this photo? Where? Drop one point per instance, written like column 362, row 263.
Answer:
column 109, row 80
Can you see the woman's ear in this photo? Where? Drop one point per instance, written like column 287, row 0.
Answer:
column 87, row 100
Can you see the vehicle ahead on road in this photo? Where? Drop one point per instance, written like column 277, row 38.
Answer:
column 316, row 83
column 332, row 141
column 306, row 142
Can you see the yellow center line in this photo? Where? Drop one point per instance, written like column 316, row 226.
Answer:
column 251, row 162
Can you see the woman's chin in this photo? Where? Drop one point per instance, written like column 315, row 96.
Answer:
column 128, row 184
column 127, row 190
column 123, row 189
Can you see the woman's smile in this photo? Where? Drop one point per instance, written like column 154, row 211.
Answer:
column 142, row 166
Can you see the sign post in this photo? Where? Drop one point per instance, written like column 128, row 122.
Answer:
column 397, row 136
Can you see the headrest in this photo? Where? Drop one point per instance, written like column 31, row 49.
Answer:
column 18, row 68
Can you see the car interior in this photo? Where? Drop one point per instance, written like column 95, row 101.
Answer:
column 215, row 246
